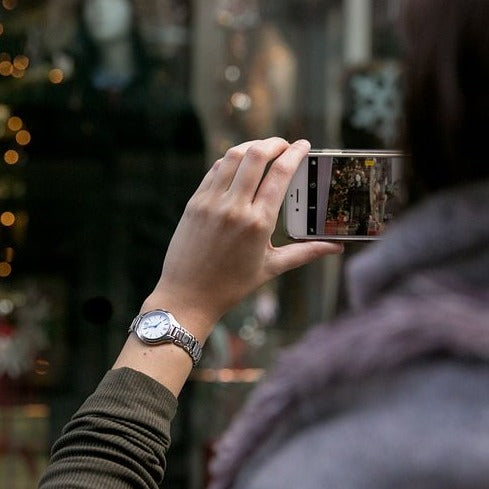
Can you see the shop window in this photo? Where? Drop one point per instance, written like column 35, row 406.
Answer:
column 103, row 142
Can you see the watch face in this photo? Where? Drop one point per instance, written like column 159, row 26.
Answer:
column 154, row 326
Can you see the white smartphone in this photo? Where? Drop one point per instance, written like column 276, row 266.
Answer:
column 345, row 195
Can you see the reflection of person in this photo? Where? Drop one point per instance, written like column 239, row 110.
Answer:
column 133, row 144
column 395, row 393
column 152, row 129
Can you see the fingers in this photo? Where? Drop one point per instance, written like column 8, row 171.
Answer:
column 295, row 255
column 272, row 190
column 240, row 171
column 227, row 166
column 250, row 172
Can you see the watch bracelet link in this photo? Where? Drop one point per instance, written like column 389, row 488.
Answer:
column 188, row 342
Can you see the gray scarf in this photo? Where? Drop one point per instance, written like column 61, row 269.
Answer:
column 435, row 266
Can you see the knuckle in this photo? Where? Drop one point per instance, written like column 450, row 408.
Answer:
column 280, row 140
column 256, row 153
column 198, row 208
column 241, row 219
column 257, row 224
column 280, row 168
column 228, row 215
column 234, row 154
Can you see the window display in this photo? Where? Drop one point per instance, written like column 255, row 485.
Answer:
column 110, row 113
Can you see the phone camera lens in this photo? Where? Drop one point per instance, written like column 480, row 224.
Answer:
column 312, row 185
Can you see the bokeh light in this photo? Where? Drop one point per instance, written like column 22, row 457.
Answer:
column 11, row 157
column 56, row 76
column 23, row 137
column 21, row 62
column 5, row 269
column 7, row 218
column 14, row 123
column 6, row 68
column 9, row 4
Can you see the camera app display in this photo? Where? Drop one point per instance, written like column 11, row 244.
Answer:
column 354, row 196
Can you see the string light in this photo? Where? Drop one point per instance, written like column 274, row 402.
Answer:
column 6, row 68
column 12, row 127
column 11, row 157
column 56, row 76
column 18, row 73
column 23, row 137
column 21, row 62
column 7, row 218
column 15, row 123
column 9, row 4
column 5, row 269
column 9, row 254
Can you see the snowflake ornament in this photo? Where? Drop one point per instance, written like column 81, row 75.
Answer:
column 377, row 102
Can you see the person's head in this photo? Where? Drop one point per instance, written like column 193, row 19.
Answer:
column 447, row 90
column 103, row 22
column 107, row 20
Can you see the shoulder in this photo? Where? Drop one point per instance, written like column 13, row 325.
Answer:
column 425, row 422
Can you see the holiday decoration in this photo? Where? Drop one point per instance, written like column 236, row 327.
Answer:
column 374, row 99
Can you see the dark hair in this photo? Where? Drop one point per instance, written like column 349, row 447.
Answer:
column 447, row 90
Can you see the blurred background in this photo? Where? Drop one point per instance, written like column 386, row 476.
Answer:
column 110, row 113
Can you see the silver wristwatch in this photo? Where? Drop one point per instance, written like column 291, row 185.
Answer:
column 158, row 326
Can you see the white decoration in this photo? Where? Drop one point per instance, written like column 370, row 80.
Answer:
column 377, row 102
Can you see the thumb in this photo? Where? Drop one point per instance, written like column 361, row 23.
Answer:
column 295, row 255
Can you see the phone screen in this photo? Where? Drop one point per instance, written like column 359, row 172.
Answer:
column 353, row 196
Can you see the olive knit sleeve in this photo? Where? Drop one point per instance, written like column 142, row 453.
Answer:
column 117, row 439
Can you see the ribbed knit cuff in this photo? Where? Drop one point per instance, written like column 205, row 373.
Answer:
column 144, row 399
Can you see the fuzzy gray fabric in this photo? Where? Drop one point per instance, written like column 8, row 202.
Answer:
column 448, row 233
column 421, row 317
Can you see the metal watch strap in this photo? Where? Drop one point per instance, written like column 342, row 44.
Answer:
column 187, row 341
column 177, row 335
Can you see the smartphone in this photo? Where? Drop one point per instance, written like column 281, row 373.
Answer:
column 347, row 195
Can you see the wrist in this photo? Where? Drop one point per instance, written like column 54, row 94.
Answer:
column 198, row 321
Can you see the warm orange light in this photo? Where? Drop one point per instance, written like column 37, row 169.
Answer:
column 56, row 76
column 7, row 218
column 6, row 68
column 18, row 73
column 5, row 269
column 1, row 28
column 9, row 254
column 42, row 366
column 21, row 62
column 14, row 123
column 36, row 410
column 23, row 137
column 9, row 4
column 11, row 157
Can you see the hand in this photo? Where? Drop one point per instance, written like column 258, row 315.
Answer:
column 221, row 250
